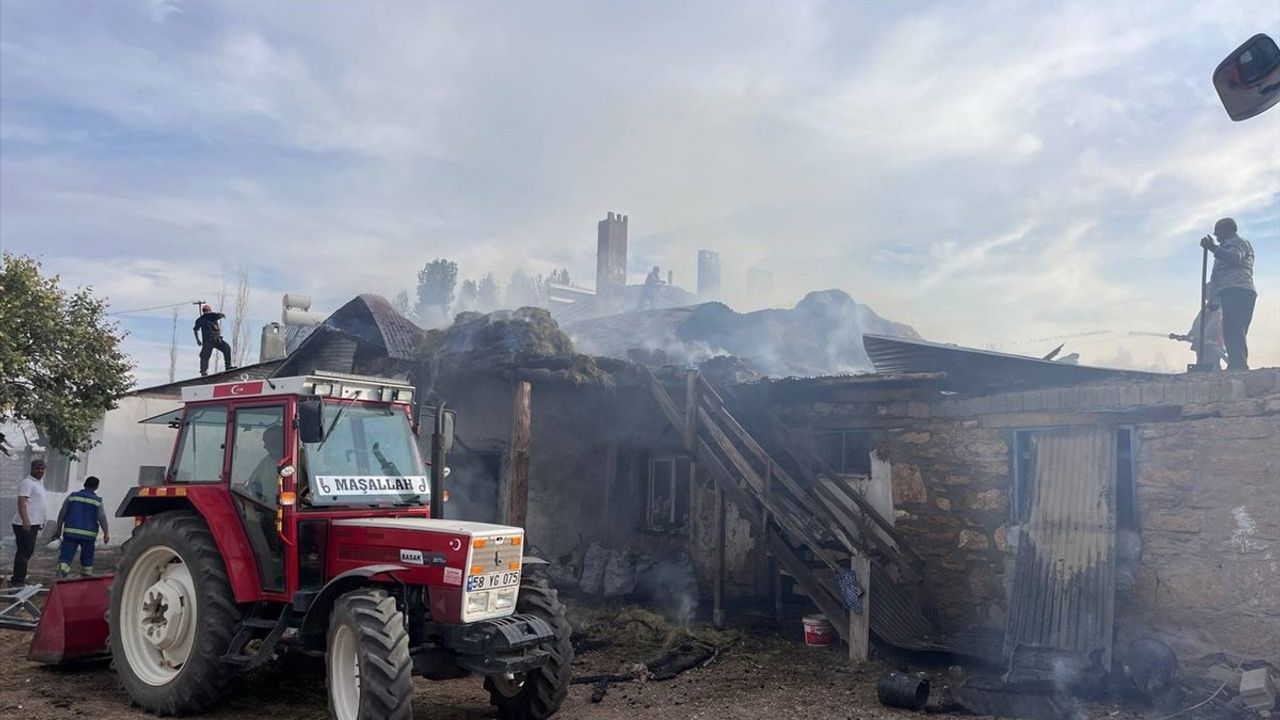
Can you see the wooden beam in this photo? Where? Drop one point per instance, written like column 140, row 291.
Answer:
column 813, row 587
column 722, row 413
column 690, row 409
column 751, row 506
column 515, row 471
column 665, row 403
column 860, row 623
column 717, row 612
column 731, row 451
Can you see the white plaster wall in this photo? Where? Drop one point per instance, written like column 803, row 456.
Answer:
column 124, row 447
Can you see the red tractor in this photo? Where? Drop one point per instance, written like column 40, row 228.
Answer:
column 297, row 518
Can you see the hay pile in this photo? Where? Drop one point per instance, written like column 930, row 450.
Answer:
column 671, row 648
column 524, row 344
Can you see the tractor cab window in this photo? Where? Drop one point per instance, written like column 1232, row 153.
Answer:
column 367, row 456
column 257, row 448
column 204, row 435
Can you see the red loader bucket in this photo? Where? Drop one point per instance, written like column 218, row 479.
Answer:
column 73, row 625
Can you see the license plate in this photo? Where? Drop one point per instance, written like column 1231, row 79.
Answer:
column 493, row 580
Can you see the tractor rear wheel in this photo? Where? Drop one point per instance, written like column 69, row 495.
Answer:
column 172, row 616
column 367, row 665
column 538, row 694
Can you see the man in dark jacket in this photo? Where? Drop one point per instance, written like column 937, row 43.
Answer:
column 78, row 524
column 209, row 337
column 1231, row 284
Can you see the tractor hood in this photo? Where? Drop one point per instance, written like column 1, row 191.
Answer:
column 474, row 567
column 457, row 527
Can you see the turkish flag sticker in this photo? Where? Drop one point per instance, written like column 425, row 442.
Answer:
column 238, row 389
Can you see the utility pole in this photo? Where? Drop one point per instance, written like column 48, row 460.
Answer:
column 173, row 347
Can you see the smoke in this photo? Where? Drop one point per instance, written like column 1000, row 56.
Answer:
column 821, row 335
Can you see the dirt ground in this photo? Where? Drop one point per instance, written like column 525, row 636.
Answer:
column 752, row 676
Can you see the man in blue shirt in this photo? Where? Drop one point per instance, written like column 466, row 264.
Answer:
column 78, row 524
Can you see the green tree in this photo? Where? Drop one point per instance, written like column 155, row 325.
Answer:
column 61, row 366
column 469, row 295
column 436, row 282
column 487, row 293
column 401, row 303
column 525, row 290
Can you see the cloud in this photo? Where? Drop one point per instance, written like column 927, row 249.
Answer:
column 987, row 172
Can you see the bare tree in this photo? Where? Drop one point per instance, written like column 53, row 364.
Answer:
column 239, row 325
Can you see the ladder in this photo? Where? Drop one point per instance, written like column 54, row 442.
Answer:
column 815, row 524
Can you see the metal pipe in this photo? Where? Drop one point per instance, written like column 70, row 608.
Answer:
column 1204, row 306
column 437, row 464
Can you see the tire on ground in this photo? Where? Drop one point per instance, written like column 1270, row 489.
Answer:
column 546, row 688
column 204, row 677
column 382, row 654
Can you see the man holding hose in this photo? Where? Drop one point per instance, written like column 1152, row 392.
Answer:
column 1231, row 284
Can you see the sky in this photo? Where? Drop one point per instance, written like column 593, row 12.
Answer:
column 1005, row 175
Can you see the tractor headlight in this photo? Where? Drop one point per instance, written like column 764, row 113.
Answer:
column 505, row 599
column 477, row 602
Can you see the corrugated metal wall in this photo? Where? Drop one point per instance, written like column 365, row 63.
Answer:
column 1064, row 580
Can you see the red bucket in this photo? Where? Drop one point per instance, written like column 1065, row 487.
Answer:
column 817, row 631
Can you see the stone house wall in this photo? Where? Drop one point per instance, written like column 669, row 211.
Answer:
column 1202, row 572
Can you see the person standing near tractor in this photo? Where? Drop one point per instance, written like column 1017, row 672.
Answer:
column 208, row 334
column 1231, row 284
column 78, row 524
column 28, row 521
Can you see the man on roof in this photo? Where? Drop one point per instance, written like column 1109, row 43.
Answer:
column 208, row 332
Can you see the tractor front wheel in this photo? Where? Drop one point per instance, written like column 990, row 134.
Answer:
column 538, row 694
column 368, row 668
column 172, row 617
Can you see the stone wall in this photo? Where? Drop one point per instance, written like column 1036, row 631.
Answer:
column 1204, row 564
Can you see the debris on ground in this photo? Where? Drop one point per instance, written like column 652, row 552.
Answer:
column 903, row 690
column 1257, row 691
column 672, row 648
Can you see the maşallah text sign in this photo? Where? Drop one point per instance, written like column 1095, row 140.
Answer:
column 348, row 485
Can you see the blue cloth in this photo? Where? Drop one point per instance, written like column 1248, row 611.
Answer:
column 67, row 553
column 81, row 519
column 850, row 591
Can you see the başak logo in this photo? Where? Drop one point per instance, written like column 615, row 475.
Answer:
column 412, row 557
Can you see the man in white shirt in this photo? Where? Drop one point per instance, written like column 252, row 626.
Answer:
column 28, row 521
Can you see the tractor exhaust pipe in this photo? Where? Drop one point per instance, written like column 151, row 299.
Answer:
column 438, row 463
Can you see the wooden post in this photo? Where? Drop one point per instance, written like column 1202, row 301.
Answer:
column 515, row 471
column 860, row 624
column 771, row 563
column 717, row 613
column 690, row 410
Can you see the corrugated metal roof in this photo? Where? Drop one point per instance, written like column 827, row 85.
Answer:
column 372, row 319
column 1064, row 578
column 250, row 372
column 971, row 370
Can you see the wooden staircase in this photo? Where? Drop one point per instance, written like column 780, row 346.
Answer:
column 814, row 523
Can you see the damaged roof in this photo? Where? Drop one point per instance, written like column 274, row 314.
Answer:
column 373, row 320
column 972, row 370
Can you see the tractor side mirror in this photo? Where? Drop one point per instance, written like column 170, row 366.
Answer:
column 444, row 426
column 1248, row 80
column 311, row 420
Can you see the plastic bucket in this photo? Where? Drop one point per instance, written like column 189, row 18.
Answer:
column 817, row 631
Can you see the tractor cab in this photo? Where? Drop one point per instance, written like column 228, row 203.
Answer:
column 295, row 518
